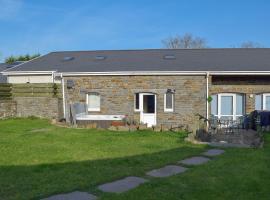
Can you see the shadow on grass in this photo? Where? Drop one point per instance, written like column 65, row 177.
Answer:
column 39, row 181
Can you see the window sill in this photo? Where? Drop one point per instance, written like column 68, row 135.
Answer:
column 93, row 110
column 168, row 111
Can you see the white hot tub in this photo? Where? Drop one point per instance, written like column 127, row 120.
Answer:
column 98, row 121
column 100, row 117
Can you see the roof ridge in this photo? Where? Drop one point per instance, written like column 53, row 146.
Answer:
column 161, row 49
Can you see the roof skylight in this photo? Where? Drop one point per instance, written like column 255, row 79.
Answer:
column 100, row 57
column 169, row 57
column 68, row 58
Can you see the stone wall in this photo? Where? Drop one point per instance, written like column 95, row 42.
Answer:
column 117, row 95
column 23, row 100
column 44, row 107
column 7, row 108
column 248, row 85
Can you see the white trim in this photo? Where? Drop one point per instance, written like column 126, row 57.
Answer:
column 92, row 109
column 264, row 95
column 239, row 72
column 167, row 73
column 141, row 108
column 165, row 103
column 130, row 73
column 233, row 95
column 18, row 73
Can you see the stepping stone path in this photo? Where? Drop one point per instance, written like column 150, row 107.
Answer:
column 166, row 171
column 122, row 185
column 73, row 196
column 196, row 160
column 213, row 152
column 131, row 182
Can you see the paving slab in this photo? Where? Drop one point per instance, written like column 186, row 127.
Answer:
column 214, row 152
column 122, row 185
column 73, row 196
column 166, row 171
column 196, row 160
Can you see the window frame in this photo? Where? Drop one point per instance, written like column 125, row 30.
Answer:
column 263, row 100
column 87, row 98
column 165, row 102
column 234, row 109
column 264, row 95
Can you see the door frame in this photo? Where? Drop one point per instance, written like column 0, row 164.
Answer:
column 141, row 107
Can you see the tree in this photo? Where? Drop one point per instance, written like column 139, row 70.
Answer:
column 250, row 44
column 27, row 57
column 186, row 41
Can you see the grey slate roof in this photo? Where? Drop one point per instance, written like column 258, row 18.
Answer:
column 3, row 67
column 232, row 59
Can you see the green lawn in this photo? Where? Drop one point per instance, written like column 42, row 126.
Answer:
column 38, row 160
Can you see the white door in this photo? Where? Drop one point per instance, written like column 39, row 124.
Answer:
column 148, row 109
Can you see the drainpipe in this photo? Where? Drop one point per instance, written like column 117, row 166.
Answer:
column 52, row 77
column 207, row 95
column 63, row 93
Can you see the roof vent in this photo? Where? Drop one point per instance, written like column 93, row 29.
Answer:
column 169, row 57
column 100, row 57
column 68, row 58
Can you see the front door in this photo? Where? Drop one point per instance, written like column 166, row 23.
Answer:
column 148, row 109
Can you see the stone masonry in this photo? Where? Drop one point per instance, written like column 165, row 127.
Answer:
column 44, row 107
column 117, row 95
column 7, row 108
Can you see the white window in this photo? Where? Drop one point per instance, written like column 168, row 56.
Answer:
column 168, row 102
column 93, row 101
column 228, row 106
column 137, row 102
column 262, row 101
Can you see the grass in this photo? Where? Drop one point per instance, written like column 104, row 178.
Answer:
column 38, row 160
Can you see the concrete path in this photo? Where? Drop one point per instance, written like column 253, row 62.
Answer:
column 214, row 152
column 131, row 182
column 73, row 196
column 196, row 160
column 166, row 171
column 122, row 185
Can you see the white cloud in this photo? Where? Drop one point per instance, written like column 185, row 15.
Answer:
column 10, row 8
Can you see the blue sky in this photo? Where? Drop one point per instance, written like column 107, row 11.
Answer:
column 36, row 26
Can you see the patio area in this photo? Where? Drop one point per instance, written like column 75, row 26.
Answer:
column 245, row 131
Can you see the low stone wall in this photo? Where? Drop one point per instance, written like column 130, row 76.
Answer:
column 7, row 109
column 44, row 107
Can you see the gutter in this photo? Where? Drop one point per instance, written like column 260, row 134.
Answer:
column 164, row 73
column 21, row 73
column 142, row 73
